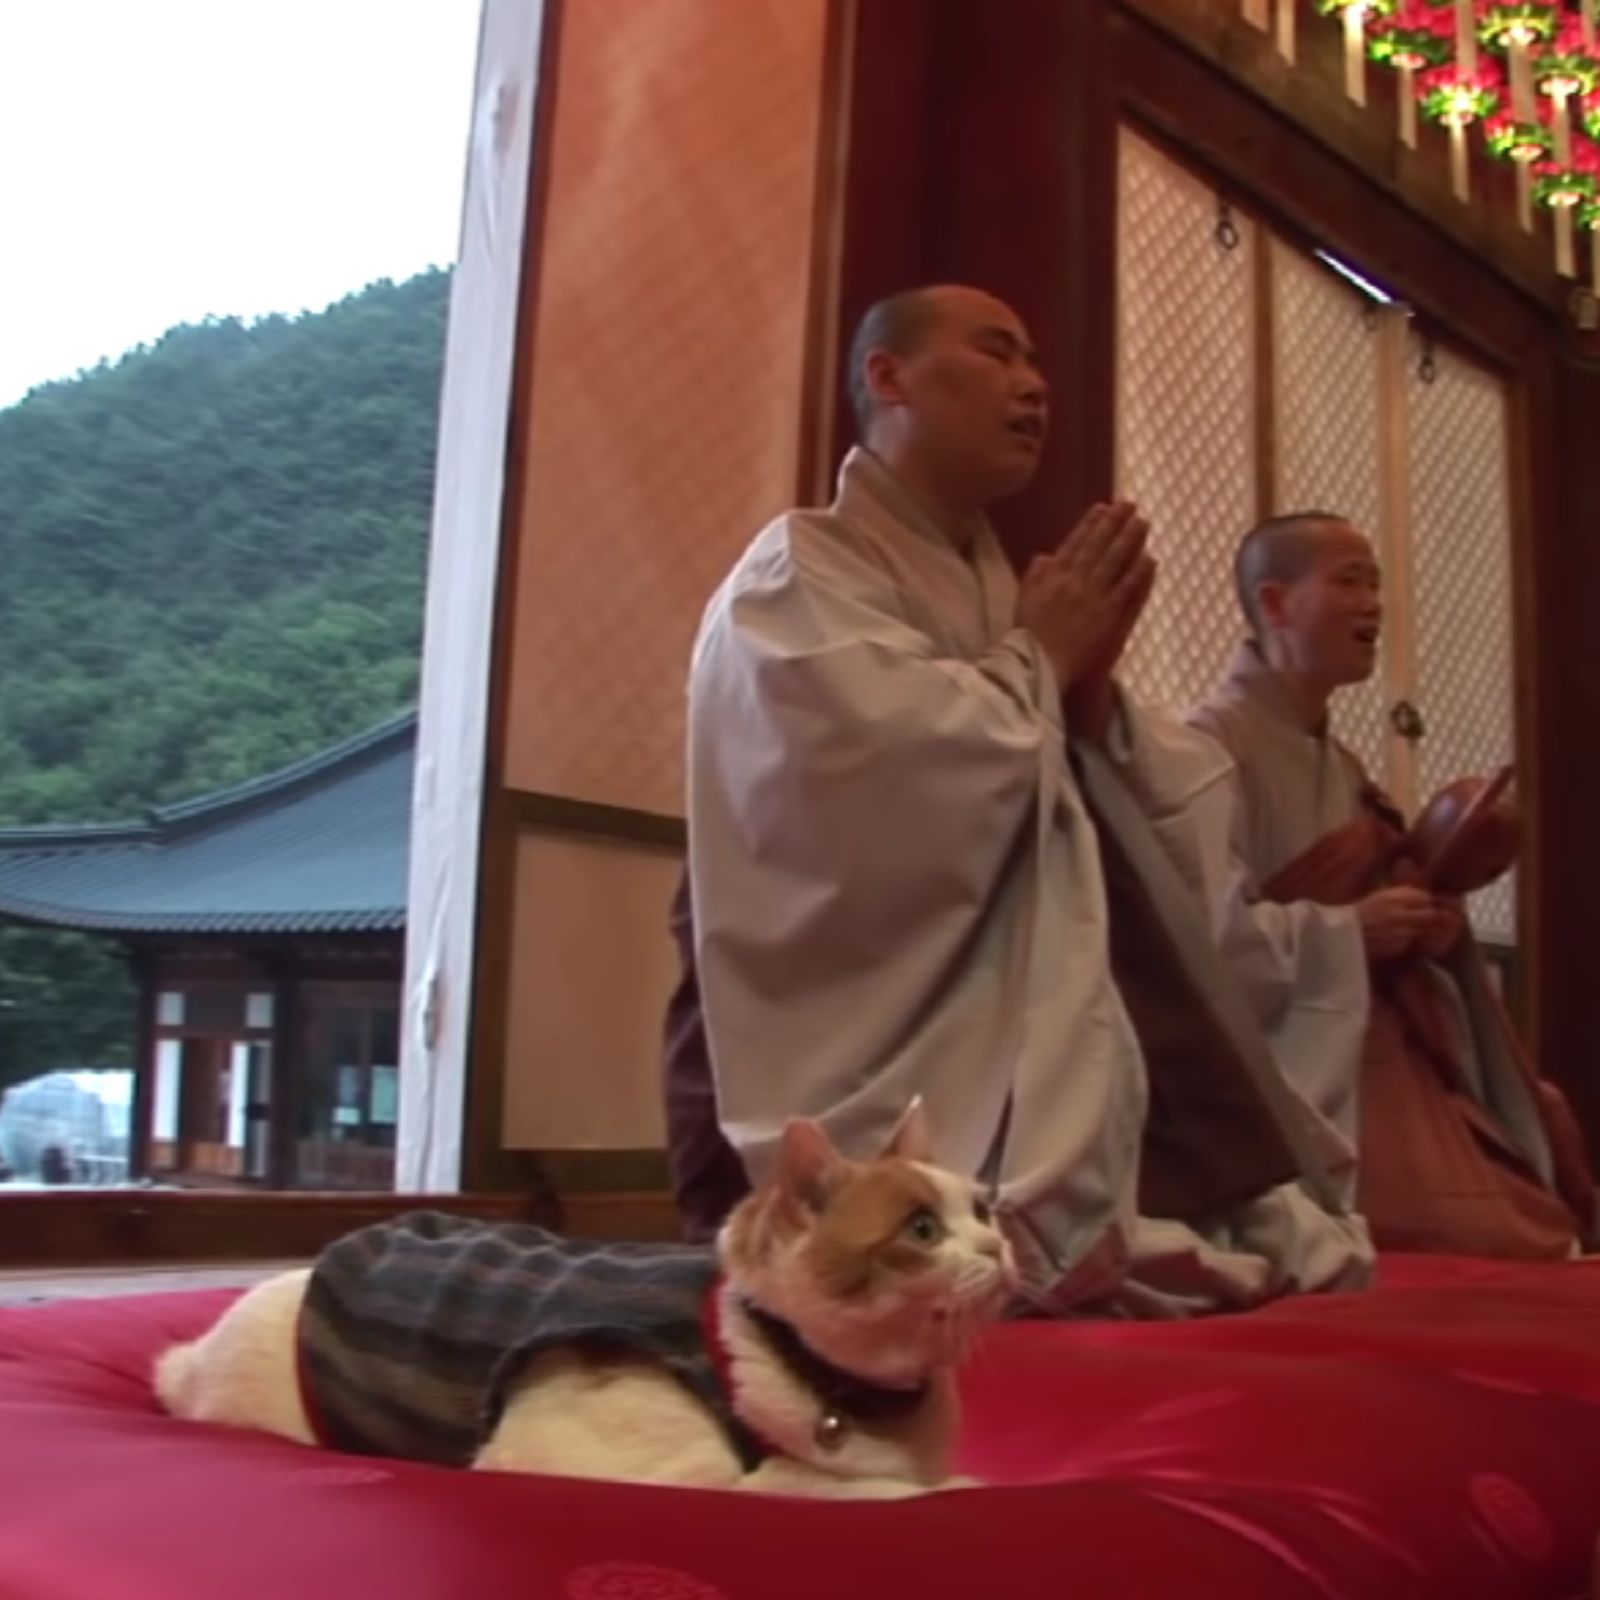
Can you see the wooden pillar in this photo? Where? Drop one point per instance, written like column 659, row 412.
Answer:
column 143, row 968
column 890, row 107
column 1560, row 828
column 982, row 149
column 1027, row 168
column 286, row 1072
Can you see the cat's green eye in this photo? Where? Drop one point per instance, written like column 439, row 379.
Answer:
column 925, row 1227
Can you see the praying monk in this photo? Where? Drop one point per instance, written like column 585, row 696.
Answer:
column 1372, row 989
column 899, row 873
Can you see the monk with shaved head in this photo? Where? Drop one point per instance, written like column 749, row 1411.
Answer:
column 914, row 827
column 1371, row 986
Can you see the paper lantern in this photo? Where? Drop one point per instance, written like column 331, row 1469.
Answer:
column 1456, row 99
column 1567, row 189
column 1564, row 68
column 1523, row 143
column 1415, row 36
column 1514, row 30
column 1355, row 14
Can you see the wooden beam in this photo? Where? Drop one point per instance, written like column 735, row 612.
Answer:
column 644, row 1215
column 89, row 1227
column 558, row 814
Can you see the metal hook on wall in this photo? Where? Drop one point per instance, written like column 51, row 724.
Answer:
column 1226, row 232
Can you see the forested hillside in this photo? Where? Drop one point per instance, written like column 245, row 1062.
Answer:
column 212, row 559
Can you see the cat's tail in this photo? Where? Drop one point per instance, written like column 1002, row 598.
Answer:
column 243, row 1370
column 175, row 1378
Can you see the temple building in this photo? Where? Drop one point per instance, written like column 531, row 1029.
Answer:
column 264, row 925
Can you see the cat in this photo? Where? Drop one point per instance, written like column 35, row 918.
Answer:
column 812, row 1351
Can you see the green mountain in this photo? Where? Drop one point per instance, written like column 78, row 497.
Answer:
column 212, row 561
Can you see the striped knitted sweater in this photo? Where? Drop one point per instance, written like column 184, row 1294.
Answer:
column 414, row 1333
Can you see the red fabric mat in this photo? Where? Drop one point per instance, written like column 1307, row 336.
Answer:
column 1438, row 1437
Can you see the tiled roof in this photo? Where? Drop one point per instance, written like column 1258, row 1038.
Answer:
column 321, row 846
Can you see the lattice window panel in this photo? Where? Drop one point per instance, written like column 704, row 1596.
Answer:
column 1185, row 415
column 1326, row 421
column 1461, row 543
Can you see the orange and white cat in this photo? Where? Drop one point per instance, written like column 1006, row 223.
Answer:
column 840, row 1299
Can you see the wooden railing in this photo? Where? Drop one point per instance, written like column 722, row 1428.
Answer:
column 70, row 1228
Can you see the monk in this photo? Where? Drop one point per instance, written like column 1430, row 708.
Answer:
column 1373, row 988
column 912, row 792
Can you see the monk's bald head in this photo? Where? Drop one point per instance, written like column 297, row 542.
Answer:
column 948, row 395
column 1281, row 550
column 899, row 325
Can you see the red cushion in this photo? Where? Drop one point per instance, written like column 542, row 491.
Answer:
column 1439, row 1436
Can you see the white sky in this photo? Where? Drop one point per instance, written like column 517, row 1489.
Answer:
column 162, row 160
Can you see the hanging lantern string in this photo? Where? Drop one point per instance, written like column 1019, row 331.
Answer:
column 1528, row 33
column 1523, row 143
column 1452, row 99
column 1466, row 38
column 1356, row 15
column 1285, row 20
column 1355, row 52
column 1514, row 29
column 1571, row 190
column 1561, row 118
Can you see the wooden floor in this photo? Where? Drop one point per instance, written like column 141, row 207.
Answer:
column 33, row 1287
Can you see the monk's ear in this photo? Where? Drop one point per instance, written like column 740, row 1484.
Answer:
column 1272, row 604
column 881, row 374
column 809, row 1165
column 912, row 1139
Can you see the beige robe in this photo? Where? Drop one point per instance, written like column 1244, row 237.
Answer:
column 898, row 892
column 1303, row 965
column 1306, row 963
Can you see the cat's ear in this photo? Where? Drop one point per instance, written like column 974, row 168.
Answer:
column 808, row 1164
column 912, row 1139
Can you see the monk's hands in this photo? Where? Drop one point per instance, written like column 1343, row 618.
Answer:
column 1394, row 921
column 1082, row 599
column 1444, row 930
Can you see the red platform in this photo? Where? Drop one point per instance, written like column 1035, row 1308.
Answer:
column 1437, row 1437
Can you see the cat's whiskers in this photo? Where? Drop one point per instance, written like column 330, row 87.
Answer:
column 961, row 1311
